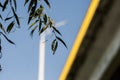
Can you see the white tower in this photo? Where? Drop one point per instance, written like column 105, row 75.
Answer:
column 41, row 66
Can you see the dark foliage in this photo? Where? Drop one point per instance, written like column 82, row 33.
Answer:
column 37, row 20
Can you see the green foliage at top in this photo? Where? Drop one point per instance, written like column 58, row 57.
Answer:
column 37, row 20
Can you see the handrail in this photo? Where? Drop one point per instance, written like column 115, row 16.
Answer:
column 89, row 15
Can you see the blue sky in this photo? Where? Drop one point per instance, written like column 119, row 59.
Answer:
column 20, row 61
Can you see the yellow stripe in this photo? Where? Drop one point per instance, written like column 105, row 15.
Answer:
column 79, row 38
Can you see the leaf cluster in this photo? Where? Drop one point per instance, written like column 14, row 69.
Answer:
column 12, row 20
column 41, row 22
column 38, row 20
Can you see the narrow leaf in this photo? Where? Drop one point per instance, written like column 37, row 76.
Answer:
column 61, row 41
column 47, row 2
column 30, row 17
column 10, row 26
column 0, row 46
column 30, row 5
column 33, row 24
column 2, row 28
column 8, row 18
column 31, row 33
column 54, row 46
column 0, row 68
column 39, row 11
column 1, row 5
column 0, row 41
column 43, row 29
column 53, row 43
column 35, row 3
column 26, row 1
column 40, row 24
column 16, row 17
column 56, row 30
column 45, row 19
column 1, row 17
column 0, row 51
column 5, row 4
column 51, row 22
column 31, row 14
column 15, row 4
column 7, row 38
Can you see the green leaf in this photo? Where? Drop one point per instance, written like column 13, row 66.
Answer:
column 1, row 5
column 33, row 30
column 8, row 18
column 26, row 1
column 62, row 41
column 7, row 38
column 35, row 3
column 54, row 46
column 0, row 68
column 43, row 29
column 32, row 2
column 0, row 49
column 47, row 2
column 33, row 24
column 53, row 43
column 0, row 41
column 15, row 4
column 51, row 22
column 10, row 26
column 45, row 18
column 5, row 4
column 16, row 17
column 30, row 5
column 39, row 11
column 56, row 30
column 31, row 14
column 2, row 28
column 40, row 24
column 1, row 17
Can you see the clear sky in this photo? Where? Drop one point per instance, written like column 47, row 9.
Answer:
column 20, row 61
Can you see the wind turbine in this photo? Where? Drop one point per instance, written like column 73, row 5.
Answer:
column 41, row 66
